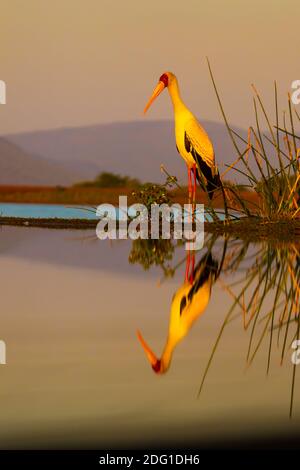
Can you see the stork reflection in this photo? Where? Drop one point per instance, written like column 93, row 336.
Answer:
column 262, row 280
column 188, row 304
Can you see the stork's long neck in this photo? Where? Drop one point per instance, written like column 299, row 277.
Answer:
column 168, row 352
column 174, row 93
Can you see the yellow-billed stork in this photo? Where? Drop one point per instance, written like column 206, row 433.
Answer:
column 189, row 303
column 192, row 142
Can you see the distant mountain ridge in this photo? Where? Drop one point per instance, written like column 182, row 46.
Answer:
column 17, row 166
column 136, row 148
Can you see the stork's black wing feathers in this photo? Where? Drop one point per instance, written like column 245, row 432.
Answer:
column 207, row 267
column 213, row 180
column 182, row 304
column 187, row 142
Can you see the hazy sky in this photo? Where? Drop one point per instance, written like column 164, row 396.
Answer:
column 77, row 62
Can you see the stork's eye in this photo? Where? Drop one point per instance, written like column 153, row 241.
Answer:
column 165, row 79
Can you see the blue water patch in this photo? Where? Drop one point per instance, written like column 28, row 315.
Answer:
column 46, row 211
column 52, row 211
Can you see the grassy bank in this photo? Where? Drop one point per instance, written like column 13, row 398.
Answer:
column 253, row 229
column 60, row 195
column 95, row 196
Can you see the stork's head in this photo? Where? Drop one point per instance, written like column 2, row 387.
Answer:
column 156, row 364
column 165, row 80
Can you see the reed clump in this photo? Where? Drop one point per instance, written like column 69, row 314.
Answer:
column 267, row 160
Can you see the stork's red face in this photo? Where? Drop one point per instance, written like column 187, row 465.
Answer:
column 165, row 79
column 156, row 363
column 162, row 84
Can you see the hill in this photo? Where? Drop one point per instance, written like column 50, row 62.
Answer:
column 129, row 148
column 18, row 166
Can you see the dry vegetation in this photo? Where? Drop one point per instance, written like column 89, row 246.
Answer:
column 95, row 196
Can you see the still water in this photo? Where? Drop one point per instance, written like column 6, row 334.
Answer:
column 77, row 374
column 51, row 211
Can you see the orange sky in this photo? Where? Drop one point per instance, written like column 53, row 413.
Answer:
column 77, row 62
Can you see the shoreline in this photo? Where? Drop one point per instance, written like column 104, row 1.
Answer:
column 248, row 229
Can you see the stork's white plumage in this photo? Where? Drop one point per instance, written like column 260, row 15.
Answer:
column 192, row 142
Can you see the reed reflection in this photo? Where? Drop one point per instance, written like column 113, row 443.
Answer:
column 263, row 280
column 265, row 292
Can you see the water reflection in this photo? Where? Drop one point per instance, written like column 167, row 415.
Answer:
column 188, row 304
column 263, row 281
column 150, row 253
column 73, row 357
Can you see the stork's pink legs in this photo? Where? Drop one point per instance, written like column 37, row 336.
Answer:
column 191, row 279
column 190, row 267
column 190, row 184
column 190, row 259
column 187, row 266
column 195, row 183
